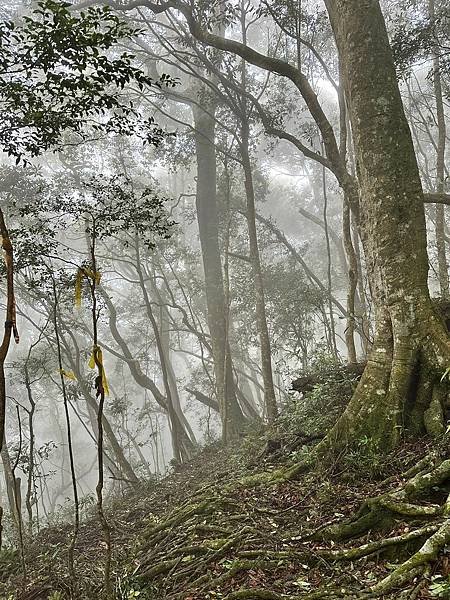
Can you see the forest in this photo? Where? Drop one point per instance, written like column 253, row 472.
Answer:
column 225, row 359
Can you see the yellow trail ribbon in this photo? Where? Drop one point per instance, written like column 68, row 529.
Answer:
column 90, row 273
column 68, row 374
column 97, row 353
column 84, row 272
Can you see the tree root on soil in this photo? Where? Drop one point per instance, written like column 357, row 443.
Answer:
column 197, row 566
column 378, row 512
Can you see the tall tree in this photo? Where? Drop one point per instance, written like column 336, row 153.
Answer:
column 208, row 222
column 410, row 336
column 387, row 200
column 440, row 164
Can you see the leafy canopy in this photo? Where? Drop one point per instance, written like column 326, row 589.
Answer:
column 102, row 208
column 58, row 72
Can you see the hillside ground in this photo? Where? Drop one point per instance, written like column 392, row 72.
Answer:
column 232, row 525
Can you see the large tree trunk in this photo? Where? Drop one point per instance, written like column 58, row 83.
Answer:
column 411, row 347
column 207, row 216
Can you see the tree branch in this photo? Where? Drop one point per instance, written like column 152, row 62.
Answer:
column 435, row 198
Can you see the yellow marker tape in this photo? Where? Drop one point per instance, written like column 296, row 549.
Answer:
column 68, row 374
column 84, row 272
column 97, row 353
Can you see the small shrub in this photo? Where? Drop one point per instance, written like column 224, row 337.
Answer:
column 316, row 411
column 365, row 457
column 129, row 588
column 440, row 587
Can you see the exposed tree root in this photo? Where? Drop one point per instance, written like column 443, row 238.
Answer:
column 183, row 514
column 418, row 561
column 410, row 510
column 379, row 511
column 261, row 594
column 379, row 545
column 238, row 566
column 256, row 594
column 347, row 554
column 180, row 545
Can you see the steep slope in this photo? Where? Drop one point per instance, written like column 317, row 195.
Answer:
column 233, row 524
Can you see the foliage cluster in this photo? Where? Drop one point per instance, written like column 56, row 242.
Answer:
column 316, row 411
column 48, row 86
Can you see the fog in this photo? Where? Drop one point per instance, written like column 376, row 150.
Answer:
column 209, row 262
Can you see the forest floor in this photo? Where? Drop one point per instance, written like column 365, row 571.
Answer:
column 227, row 526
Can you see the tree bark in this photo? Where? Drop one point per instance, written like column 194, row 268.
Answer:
column 207, row 217
column 409, row 334
column 352, row 283
column 270, row 402
column 440, row 169
column 10, row 318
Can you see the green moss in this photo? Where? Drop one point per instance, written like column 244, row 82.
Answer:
column 434, row 418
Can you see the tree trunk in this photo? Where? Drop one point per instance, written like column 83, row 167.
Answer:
column 362, row 303
column 12, row 487
column 174, row 422
column 440, row 169
column 207, row 217
column 329, row 266
column 352, row 263
column 270, row 402
column 410, row 337
column 138, row 375
column 164, row 324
